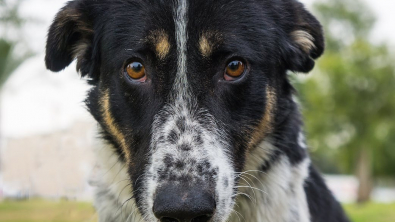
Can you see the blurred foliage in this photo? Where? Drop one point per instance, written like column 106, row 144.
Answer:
column 9, row 13
column 5, row 51
column 7, row 61
column 349, row 100
column 9, row 20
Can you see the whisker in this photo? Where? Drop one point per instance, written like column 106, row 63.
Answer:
column 116, row 175
column 240, row 193
column 252, row 188
column 142, row 175
column 237, row 214
column 255, row 178
column 247, row 171
column 125, row 202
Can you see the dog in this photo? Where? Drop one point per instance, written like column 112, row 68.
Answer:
column 195, row 108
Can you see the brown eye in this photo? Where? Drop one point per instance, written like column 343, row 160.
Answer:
column 136, row 71
column 234, row 70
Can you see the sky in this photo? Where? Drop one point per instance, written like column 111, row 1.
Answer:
column 36, row 101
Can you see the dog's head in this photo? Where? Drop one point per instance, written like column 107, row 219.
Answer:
column 184, row 89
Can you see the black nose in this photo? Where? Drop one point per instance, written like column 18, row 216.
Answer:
column 178, row 203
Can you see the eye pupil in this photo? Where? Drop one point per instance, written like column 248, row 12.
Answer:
column 137, row 67
column 234, row 65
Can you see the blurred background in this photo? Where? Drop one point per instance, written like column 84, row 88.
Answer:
column 47, row 136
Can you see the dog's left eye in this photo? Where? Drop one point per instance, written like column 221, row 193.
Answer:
column 234, row 70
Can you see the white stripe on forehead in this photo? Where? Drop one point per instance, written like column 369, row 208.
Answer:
column 181, row 20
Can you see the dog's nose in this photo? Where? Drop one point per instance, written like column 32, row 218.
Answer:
column 177, row 203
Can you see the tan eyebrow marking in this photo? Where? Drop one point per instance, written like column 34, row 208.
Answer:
column 112, row 126
column 205, row 47
column 160, row 40
column 208, row 42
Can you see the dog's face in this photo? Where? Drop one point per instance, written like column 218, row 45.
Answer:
column 184, row 89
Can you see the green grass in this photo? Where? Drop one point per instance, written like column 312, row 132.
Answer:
column 68, row 211
column 371, row 212
column 46, row 211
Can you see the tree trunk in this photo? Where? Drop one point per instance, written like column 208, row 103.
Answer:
column 364, row 174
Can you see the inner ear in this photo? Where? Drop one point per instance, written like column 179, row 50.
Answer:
column 70, row 37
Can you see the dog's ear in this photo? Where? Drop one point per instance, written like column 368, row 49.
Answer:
column 306, row 39
column 71, row 37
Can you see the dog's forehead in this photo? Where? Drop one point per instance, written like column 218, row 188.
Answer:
column 209, row 24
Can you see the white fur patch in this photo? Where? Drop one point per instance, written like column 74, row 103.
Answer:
column 181, row 21
column 276, row 195
column 259, row 155
column 113, row 189
column 302, row 140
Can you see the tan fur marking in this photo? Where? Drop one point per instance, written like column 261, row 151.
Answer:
column 111, row 125
column 304, row 40
column 205, row 47
column 161, row 42
column 208, row 41
column 265, row 125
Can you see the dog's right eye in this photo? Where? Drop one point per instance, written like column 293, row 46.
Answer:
column 136, row 71
column 234, row 70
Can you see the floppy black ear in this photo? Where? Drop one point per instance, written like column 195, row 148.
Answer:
column 71, row 37
column 306, row 39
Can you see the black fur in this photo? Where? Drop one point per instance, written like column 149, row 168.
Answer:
column 257, row 31
column 319, row 198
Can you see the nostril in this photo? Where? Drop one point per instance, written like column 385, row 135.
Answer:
column 168, row 219
column 203, row 218
column 180, row 203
